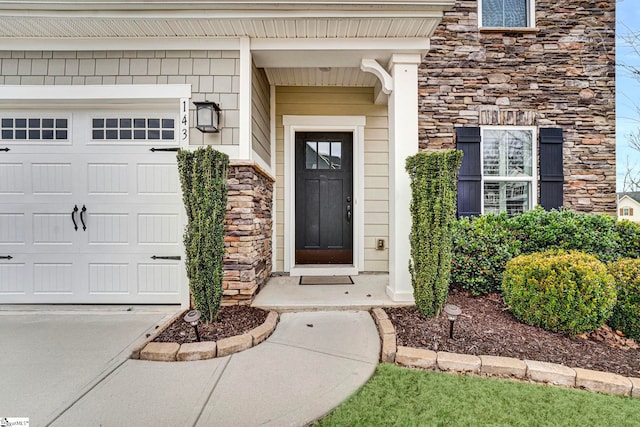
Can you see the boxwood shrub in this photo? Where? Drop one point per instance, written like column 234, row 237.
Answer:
column 482, row 247
column 629, row 236
column 569, row 292
column 626, row 313
column 539, row 230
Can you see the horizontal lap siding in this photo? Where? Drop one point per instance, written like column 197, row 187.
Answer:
column 213, row 75
column 342, row 101
column 260, row 115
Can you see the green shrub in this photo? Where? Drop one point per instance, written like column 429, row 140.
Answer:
column 481, row 248
column 540, row 230
column 629, row 237
column 569, row 292
column 626, row 314
column 434, row 179
column 482, row 245
column 203, row 177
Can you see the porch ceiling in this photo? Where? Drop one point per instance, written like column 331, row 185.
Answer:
column 264, row 19
column 325, row 76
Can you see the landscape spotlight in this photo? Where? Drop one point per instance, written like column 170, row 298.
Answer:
column 193, row 317
column 453, row 311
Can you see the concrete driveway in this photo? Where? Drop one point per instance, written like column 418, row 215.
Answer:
column 52, row 356
column 71, row 369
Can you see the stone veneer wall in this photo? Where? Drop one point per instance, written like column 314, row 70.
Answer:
column 247, row 261
column 561, row 75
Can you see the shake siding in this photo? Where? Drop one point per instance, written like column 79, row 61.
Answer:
column 260, row 114
column 343, row 101
column 213, row 75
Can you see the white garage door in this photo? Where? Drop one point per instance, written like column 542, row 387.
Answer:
column 90, row 209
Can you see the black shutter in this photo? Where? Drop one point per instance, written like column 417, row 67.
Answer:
column 470, row 177
column 551, row 172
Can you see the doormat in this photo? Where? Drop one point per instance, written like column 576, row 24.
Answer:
column 326, row 280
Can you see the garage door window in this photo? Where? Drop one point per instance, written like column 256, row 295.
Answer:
column 128, row 129
column 34, row 129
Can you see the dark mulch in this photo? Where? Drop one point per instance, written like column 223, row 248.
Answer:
column 231, row 321
column 486, row 327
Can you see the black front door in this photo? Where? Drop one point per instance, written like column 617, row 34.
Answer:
column 324, row 198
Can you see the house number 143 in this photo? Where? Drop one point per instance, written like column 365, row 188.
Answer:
column 184, row 120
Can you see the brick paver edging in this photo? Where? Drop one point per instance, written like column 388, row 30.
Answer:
column 542, row 372
column 171, row 351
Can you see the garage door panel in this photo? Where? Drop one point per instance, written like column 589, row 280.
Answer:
column 109, row 278
column 108, row 179
column 158, row 229
column 158, row 179
column 11, row 179
column 12, row 229
column 54, row 229
column 158, row 278
column 108, row 229
column 53, row 278
column 51, row 178
column 13, row 279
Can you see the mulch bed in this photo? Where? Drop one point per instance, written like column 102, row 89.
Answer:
column 231, row 321
column 487, row 327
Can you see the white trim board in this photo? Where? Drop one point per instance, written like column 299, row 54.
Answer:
column 95, row 92
column 293, row 124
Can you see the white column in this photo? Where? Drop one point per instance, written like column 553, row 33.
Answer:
column 403, row 142
column 244, row 103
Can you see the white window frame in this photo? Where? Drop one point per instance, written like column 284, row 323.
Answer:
column 625, row 212
column 533, row 196
column 531, row 15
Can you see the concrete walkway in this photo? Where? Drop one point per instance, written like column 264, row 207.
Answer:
column 312, row 362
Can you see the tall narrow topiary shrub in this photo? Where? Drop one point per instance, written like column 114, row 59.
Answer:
column 203, row 176
column 434, row 179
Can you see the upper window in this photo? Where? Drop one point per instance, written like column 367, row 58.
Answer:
column 34, row 128
column 506, row 13
column 126, row 129
column 508, row 169
column 626, row 212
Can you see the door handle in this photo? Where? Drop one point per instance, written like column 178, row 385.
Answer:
column 84, row 226
column 6, row 257
column 5, row 149
column 73, row 217
column 348, row 213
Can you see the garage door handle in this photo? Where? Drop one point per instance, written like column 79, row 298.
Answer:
column 84, row 209
column 6, row 257
column 5, row 149
column 154, row 149
column 73, row 217
column 175, row 257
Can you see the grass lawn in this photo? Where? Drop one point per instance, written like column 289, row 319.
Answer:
column 404, row 397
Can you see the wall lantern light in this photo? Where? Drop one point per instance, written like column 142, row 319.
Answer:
column 452, row 311
column 207, row 117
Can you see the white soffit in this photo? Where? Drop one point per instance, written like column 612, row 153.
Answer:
column 256, row 19
column 64, row 27
column 328, row 76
